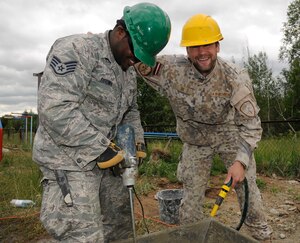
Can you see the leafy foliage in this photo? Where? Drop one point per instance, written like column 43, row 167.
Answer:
column 154, row 108
column 292, row 89
column 290, row 49
column 270, row 93
column 263, row 83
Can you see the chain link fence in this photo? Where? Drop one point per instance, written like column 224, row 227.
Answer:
column 278, row 151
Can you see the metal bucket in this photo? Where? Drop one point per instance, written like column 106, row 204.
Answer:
column 169, row 202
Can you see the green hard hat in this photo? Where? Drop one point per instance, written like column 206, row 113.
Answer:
column 149, row 28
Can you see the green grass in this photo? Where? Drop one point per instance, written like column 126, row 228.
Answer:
column 261, row 184
column 144, row 186
column 165, row 164
column 20, row 179
column 280, row 156
column 297, row 198
column 274, row 190
column 274, row 155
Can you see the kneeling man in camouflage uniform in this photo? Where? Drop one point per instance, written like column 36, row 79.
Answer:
column 216, row 114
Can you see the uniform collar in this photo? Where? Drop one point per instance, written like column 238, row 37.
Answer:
column 108, row 55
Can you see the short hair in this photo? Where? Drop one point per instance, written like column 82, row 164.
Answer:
column 121, row 22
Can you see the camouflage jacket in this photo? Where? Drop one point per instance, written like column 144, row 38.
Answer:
column 208, row 109
column 83, row 97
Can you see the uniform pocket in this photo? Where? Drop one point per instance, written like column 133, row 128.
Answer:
column 102, row 91
column 54, row 211
column 213, row 110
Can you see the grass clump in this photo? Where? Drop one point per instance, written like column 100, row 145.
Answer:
column 19, row 179
column 261, row 184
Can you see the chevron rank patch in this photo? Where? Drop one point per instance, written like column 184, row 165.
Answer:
column 62, row 68
column 157, row 69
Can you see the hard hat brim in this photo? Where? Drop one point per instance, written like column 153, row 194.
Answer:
column 143, row 56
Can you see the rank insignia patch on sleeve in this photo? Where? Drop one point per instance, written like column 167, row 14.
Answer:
column 158, row 67
column 62, row 68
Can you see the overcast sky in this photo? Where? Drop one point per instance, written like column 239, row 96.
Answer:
column 29, row 27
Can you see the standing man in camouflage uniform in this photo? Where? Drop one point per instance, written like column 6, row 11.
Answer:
column 88, row 90
column 216, row 114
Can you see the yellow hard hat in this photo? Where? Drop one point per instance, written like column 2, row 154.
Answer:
column 200, row 29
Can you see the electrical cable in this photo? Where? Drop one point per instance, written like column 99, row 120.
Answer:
column 224, row 190
column 142, row 208
column 246, row 203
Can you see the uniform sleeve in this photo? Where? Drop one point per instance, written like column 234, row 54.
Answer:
column 132, row 117
column 246, row 118
column 66, row 76
column 154, row 77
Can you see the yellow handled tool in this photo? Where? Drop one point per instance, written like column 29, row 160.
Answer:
column 222, row 194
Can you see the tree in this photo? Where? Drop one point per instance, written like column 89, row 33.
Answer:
column 264, row 84
column 290, row 51
column 292, row 89
column 154, row 108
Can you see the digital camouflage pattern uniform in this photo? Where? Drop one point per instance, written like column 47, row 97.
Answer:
column 83, row 97
column 215, row 115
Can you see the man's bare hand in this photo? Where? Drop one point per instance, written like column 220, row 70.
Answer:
column 236, row 172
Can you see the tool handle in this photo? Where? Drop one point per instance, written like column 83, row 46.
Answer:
column 229, row 183
column 221, row 197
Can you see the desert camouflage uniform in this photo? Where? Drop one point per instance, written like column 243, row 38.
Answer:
column 83, row 97
column 216, row 114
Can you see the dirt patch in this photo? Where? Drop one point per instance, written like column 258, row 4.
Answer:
column 281, row 198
